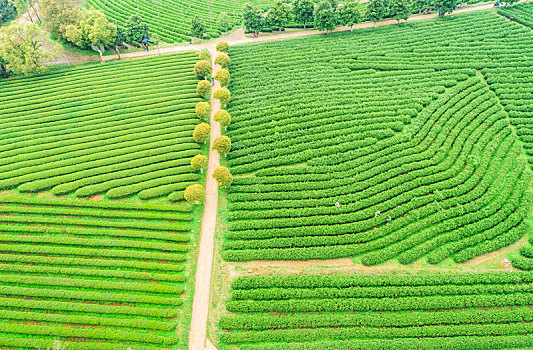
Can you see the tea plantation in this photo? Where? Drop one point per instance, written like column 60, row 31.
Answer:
column 395, row 143
column 83, row 131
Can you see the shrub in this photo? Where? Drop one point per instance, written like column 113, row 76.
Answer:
column 198, row 162
column 203, row 110
column 205, row 55
column 223, row 60
column 223, row 76
column 201, row 133
column 203, row 89
column 223, row 176
column 194, row 194
column 223, row 117
column 223, row 95
column 222, row 145
column 222, row 46
column 202, row 69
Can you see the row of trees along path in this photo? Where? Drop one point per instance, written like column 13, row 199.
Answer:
column 238, row 37
column 202, row 285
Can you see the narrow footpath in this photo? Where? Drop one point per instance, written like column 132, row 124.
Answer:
column 200, row 305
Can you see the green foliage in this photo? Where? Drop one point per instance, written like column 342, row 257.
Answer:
column 203, row 89
column 376, row 10
column 445, row 6
column 201, row 132
column 198, row 27
column 223, row 60
column 223, row 76
column 204, row 55
column 279, row 14
column 22, row 50
column 222, row 117
column 522, row 13
column 91, row 29
column 203, row 110
column 303, row 11
column 222, row 46
column 222, row 145
column 7, row 11
column 224, row 22
column 136, row 30
column 350, row 13
column 252, row 17
column 199, row 162
column 194, row 194
column 223, row 176
column 401, row 9
column 202, row 69
column 57, row 15
column 324, row 15
column 223, row 94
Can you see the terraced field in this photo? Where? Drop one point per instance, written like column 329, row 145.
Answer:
column 123, row 129
column 445, row 311
column 522, row 13
column 172, row 19
column 96, row 275
column 383, row 144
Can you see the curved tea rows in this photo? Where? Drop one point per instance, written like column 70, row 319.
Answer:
column 121, row 129
column 376, row 159
column 96, row 275
column 522, row 13
column 448, row 311
column 172, row 19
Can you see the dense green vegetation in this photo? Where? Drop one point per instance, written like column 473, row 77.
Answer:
column 431, row 311
column 522, row 13
column 172, row 19
column 121, row 129
column 396, row 125
column 97, row 275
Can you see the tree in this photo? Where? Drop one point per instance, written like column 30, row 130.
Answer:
column 198, row 27
column 204, row 55
column 401, row 9
column 222, row 145
column 199, row 162
column 350, row 13
column 252, row 17
column 3, row 67
column 223, row 76
column 222, row 46
column 279, row 14
column 222, row 117
column 21, row 47
column 194, row 194
column 203, row 110
column 443, row 6
column 119, row 39
column 202, row 69
column 203, row 88
column 224, row 22
column 23, row 6
column 92, row 30
column 223, row 176
column 303, row 11
column 201, row 133
column 324, row 16
column 57, row 14
column 420, row 5
column 7, row 11
column 156, row 39
column 375, row 10
column 136, row 30
column 223, row 60
column 223, row 95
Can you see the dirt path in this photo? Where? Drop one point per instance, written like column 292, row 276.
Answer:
column 200, row 305
column 238, row 37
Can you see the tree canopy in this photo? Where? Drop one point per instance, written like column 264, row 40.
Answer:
column 376, row 10
column 223, row 60
column 350, row 13
column 222, row 145
column 58, row 14
column 136, row 30
column 203, row 88
column 222, row 117
column 279, row 14
column 91, row 30
column 198, row 27
column 199, row 162
column 7, row 11
column 224, row 22
column 252, row 17
column 401, row 9
column 202, row 69
column 324, row 15
column 303, row 11
column 203, row 110
column 445, row 6
column 194, row 194
column 22, row 49
column 222, row 46
column 223, row 76
column 223, row 176
column 223, row 95
column 201, row 132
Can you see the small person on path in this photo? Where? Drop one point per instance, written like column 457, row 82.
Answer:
column 212, row 80
column 378, row 213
